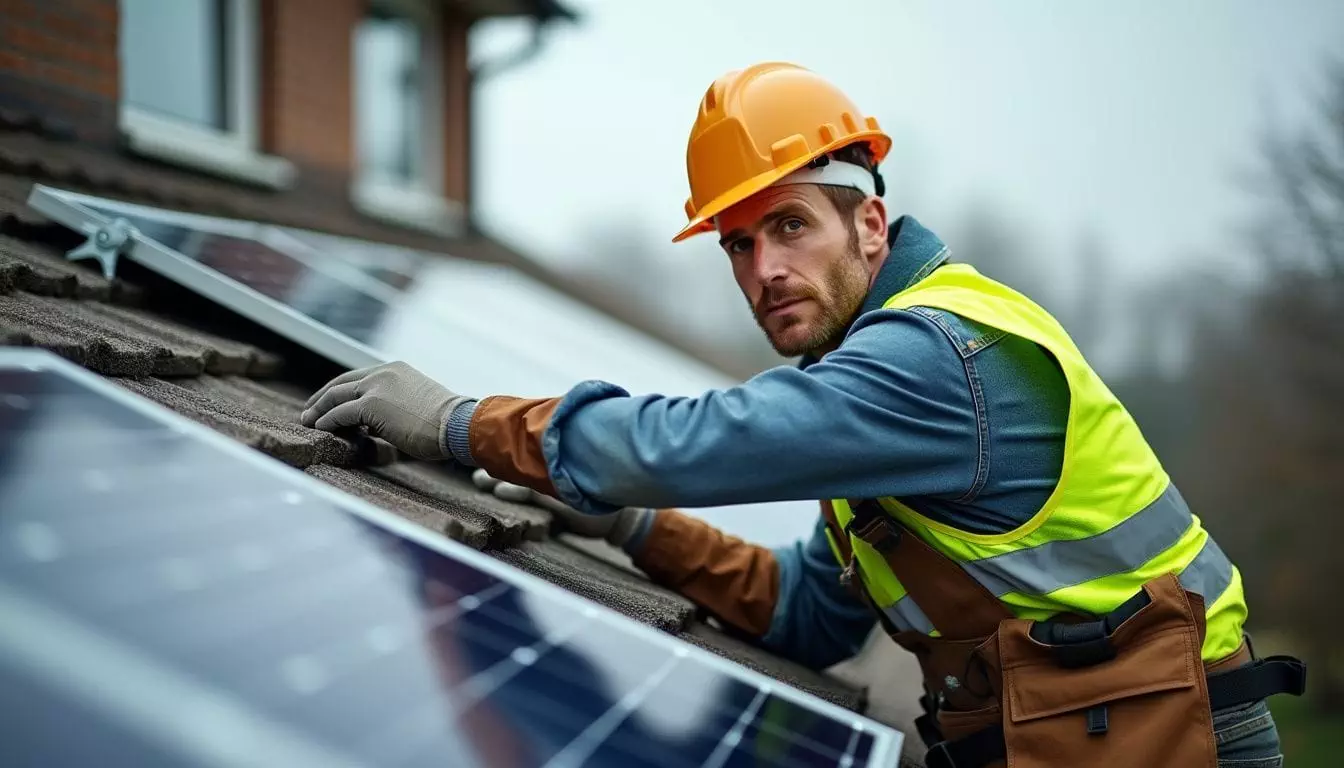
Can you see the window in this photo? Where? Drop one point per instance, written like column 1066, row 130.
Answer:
column 189, row 86
column 398, row 119
column 391, row 115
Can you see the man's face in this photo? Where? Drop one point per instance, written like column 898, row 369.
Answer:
column 799, row 265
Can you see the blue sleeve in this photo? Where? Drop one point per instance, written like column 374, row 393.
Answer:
column 817, row 621
column 888, row 413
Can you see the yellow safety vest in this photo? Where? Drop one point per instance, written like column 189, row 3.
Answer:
column 1113, row 522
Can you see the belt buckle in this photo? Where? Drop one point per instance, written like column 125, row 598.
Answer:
column 892, row 532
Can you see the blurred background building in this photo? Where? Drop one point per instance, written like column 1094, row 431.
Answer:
column 1168, row 179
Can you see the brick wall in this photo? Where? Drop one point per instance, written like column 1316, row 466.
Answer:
column 308, row 97
column 58, row 59
column 457, row 111
column 307, row 100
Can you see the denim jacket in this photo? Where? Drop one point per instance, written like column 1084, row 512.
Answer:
column 962, row 422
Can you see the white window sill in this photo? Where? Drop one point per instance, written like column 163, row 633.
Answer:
column 203, row 149
column 408, row 207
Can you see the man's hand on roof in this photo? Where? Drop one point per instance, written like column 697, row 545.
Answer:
column 616, row 527
column 394, row 401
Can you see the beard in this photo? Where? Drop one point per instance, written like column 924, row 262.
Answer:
column 841, row 292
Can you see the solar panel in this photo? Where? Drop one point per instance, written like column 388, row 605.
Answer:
column 486, row 328
column 171, row 597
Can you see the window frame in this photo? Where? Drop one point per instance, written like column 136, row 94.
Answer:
column 232, row 152
column 422, row 205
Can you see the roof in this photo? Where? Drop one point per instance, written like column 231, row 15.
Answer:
column 250, row 386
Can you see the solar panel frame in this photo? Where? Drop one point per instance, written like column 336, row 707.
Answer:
column 37, row 650
column 70, row 210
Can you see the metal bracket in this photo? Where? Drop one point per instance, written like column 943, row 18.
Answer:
column 106, row 244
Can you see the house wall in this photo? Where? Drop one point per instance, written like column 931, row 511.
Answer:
column 457, row 111
column 307, row 100
column 58, row 60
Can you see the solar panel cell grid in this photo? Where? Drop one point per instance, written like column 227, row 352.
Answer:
column 336, row 631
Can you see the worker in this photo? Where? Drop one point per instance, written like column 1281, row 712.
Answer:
column 984, row 497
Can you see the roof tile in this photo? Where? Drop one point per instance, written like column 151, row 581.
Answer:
column 599, row 580
column 600, row 549
column 123, row 342
column 460, row 524
column 54, row 275
column 64, row 327
column 217, row 355
column 12, row 272
column 277, row 399
column 281, row 404
column 14, row 209
column 517, row 522
column 31, row 274
column 820, row 684
column 209, row 401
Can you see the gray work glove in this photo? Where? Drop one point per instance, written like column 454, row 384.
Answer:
column 394, row 401
column 616, row 527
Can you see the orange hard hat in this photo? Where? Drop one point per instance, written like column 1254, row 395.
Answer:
column 760, row 124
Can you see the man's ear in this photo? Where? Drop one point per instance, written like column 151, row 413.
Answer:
column 870, row 219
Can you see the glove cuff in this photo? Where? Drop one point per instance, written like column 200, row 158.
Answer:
column 454, row 437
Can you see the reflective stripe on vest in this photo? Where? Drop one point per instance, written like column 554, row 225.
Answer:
column 1113, row 522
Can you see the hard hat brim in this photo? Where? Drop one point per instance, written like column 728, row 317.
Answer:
column 703, row 220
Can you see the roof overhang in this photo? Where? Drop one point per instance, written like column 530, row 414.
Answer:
column 542, row 10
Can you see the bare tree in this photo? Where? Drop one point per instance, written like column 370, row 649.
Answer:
column 1266, row 466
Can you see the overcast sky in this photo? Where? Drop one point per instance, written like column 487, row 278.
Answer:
column 1127, row 117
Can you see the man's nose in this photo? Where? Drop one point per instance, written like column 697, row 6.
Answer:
column 768, row 262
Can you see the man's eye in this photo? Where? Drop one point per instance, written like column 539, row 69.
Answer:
column 791, row 225
column 739, row 246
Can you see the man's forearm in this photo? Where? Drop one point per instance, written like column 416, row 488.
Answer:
column 788, row 600
column 503, row 435
column 734, row 580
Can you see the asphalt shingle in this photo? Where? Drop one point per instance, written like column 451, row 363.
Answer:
column 215, row 354
column 517, row 522
column 42, row 269
column 206, row 401
column 603, row 582
column 812, row 681
column 64, row 327
column 471, row 528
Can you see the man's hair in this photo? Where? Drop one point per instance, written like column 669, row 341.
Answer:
column 848, row 199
